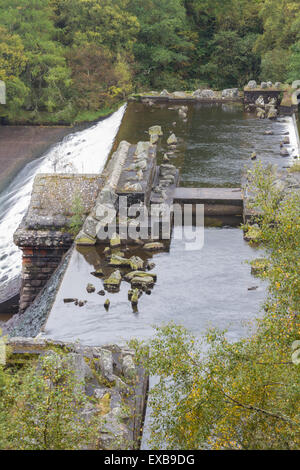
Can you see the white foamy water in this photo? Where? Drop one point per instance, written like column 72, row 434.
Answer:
column 82, row 152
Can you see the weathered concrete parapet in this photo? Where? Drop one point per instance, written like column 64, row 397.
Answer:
column 110, row 375
column 105, row 202
column 44, row 234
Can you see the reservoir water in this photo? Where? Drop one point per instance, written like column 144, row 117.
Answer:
column 197, row 289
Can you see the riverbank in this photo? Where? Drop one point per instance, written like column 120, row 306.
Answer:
column 42, row 118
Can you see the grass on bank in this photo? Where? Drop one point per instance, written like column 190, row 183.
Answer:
column 60, row 118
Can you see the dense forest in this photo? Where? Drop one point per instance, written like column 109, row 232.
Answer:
column 75, row 59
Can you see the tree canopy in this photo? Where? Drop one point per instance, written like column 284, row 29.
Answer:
column 63, row 57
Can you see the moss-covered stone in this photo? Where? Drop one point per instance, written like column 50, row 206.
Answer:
column 98, row 273
column 142, row 282
column 104, row 404
column 115, row 241
column 84, row 240
column 140, row 274
column 90, row 288
column 113, row 282
column 154, row 246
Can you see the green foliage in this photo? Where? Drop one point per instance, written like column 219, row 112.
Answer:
column 274, row 65
column 63, row 59
column 41, row 408
column 78, row 215
column 294, row 62
column 163, row 44
column 215, row 394
column 233, row 56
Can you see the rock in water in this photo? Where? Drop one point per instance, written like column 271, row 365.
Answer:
column 134, row 295
column 155, row 130
column 90, row 288
column 286, row 140
column 117, row 260
column 107, row 304
column 150, row 265
column 272, row 114
column 172, row 139
column 140, row 274
column 284, row 152
column 143, row 282
column 113, row 282
column 98, row 273
column 136, row 263
column 154, row 138
column 154, row 246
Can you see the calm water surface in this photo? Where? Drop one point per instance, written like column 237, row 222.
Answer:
column 197, row 289
column 215, row 143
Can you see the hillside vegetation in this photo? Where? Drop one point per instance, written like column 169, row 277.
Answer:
column 68, row 60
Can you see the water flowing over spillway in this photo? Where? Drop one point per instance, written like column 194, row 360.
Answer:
column 82, row 152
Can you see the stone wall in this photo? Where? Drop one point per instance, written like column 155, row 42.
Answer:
column 250, row 96
column 38, row 266
column 109, row 375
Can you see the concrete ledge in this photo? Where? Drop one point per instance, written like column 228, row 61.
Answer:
column 216, row 201
column 232, row 196
column 186, row 100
